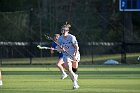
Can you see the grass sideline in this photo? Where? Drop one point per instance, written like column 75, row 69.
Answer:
column 92, row 79
column 131, row 58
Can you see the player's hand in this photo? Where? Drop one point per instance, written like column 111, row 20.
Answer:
column 63, row 49
column 52, row 48
column 59, row 49
column 74, row 58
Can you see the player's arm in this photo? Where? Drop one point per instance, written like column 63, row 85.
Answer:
column 75, row 45
column 76, row 52
column 52, row 51
column 52, row 48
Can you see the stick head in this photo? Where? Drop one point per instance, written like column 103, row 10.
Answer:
column 39, row 46
column 48, row 37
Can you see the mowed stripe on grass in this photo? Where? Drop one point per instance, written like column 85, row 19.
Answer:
column 92, row 79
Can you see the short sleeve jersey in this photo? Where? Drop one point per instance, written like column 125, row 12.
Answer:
column 68, row 43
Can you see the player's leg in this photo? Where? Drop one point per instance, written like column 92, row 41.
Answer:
column 74, row 66
column 61, row 66
column 0, row 79
column 72, row 75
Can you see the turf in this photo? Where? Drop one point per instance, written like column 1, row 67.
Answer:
column 131, row 58
column 92, row 79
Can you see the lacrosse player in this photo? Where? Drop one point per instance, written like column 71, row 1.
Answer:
column 71, row 55
column 60, row 63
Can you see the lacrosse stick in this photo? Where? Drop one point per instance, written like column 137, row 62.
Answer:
column 50, row 38
column 40, row 47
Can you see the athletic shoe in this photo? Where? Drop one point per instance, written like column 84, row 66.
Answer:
column 76, row 86
column 64, row 76
column 0, row 82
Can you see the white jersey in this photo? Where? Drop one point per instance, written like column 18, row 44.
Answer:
column 68, row 43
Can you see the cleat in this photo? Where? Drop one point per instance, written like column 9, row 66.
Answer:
column 76, row 86
column 64, row 76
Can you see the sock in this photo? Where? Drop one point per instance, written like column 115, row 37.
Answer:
column 63, row 72
column 74, row 70
column 75, row 83
column 72, row 75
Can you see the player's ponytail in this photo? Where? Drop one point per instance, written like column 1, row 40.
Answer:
column 66, row 25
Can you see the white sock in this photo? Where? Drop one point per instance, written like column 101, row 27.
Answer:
column 63, row 72
column 0, row 82
column 72, row 76
column 75, row 83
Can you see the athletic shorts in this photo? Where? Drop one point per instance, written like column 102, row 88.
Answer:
column 67, row 58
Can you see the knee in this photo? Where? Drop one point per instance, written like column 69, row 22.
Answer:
column 74, row 70
column 58, row 65
column 69, row 70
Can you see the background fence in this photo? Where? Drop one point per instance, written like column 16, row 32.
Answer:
column 101, row 29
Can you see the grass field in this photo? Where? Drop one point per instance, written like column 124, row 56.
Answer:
column 131, row 58
column 92, row 79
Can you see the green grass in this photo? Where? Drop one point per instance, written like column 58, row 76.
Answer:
column 92, row 79
column 131, row 58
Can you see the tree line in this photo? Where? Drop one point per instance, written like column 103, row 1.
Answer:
column 91, row 20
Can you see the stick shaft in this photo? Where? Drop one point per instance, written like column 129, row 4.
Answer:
column 58, row 45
